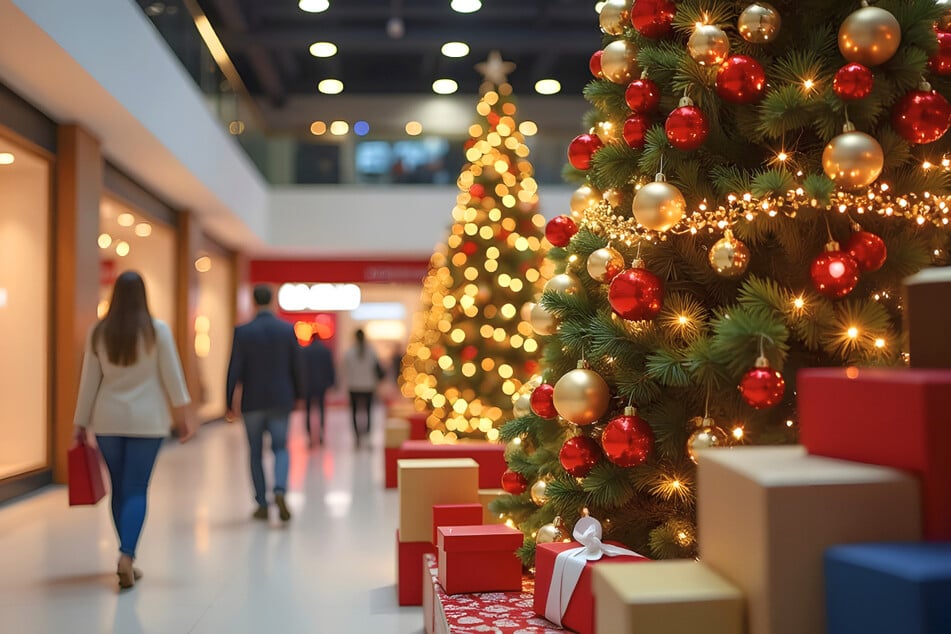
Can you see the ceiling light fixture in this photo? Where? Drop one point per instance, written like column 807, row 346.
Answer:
column 143, row 230
column 445, row 86
column 339, row 128
column 6, row 158
column 125, row 219
column 414, row 128
column 455, row 49
column 323, row 49
column 465, row 6
column 330, row 86
column 122, row 248
column 314, row 6
column 547, row 86
column 318, row 128
column 528, row 128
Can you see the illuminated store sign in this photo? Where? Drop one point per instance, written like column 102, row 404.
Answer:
column 316, row 297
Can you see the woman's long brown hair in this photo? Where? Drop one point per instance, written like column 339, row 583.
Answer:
column 128, row 318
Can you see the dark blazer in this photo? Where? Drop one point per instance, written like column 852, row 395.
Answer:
column 318, row 368
column 266, row 361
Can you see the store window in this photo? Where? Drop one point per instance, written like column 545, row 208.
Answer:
column 214, row 325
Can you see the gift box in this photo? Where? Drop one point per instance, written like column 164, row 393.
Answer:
column 490, row 456
column 896, row 418
column 455, row 515
column 479, row 558
column 888, row 588
column 425, row 483
column 409, row 570
column 665, row 597
column 417, row 426
column 558, row 563
column 766, row 515
column 395, row 433
column 400, row 408
column 925, row 298
column 485, row 497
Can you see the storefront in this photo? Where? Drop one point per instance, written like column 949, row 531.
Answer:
column 213, row 328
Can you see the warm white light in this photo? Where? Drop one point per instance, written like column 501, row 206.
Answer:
column 6, row 158
column 738, row 433
column 330, row 86
column 339, row 128
column 808, row 84
column 547, row 86
column 465, row 6
column 122, row 248
column 203, row 264
column 318, row 128
column 455, row 49
column 445, row 86
column 125, row 219
column 143, row 230
column 852, row 332
column 879, row 343
column 323, row 49
column 782, row 156
column 104, row 240
column 317, row 297
column 799, row 302
column 314, row 6
column 385, row 330
column 528, row 128
column 414, row 128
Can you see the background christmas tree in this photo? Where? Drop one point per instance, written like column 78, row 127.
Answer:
column 472, row 348
column 758, row 181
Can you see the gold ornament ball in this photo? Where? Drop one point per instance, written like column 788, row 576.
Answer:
column 944, row 22
column 526, row 311
column 853, row 160
column 728, row 256
column 615, row 15
column 542, row 321
column 581, row 396
column 613, row 196
column 607, row 131
column 539, row 492
column 581, row 199
column 564, row 283
column 708, row 45
column 604, row 263
column 705, row 438
column 619, row 61
column 549, row 533
column 869, row 36
column 759, row 23
column 522, row 405
column 658, row 206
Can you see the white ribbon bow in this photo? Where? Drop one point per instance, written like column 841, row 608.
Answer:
column 569, row 565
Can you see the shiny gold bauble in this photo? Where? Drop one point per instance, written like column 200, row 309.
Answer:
column 522, row 405
column 542, row 321
column 619, row 61
column 539, row 492
column 658, row 206
column 615, row 15
column 526, row 311
column 759, row 23
column 607, row 131
column 581, row 396
column 604, row 263
column 853, row 160
column 944, row 22
column 705, row 437
column 564, row 283
column 581, row 199
column 728, row 256
column 549, row 533
column 869, row 36
column 708, row 45
column 613, row 197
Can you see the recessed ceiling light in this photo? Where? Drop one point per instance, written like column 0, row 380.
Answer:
column 339, row 128
column 6, row 158
column 445, row 86
column 203, row 264
column 122, row 248
column 528, row 128
column 465, row 6
column 318, row 127
column 455, row 49
column 547, row 86
column 330, row 86
column 143, row 230
column 314, row 6
column 414, row 128
column 125, row 219
column 104, row 240
column 323, row 49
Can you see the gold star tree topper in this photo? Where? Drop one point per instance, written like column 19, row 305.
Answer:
column 494, row 69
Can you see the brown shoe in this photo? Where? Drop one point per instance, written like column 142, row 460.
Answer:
column 126, row 572
column 284, row 512
column 260, row 513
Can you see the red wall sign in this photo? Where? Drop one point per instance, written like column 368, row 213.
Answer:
column 338, row 271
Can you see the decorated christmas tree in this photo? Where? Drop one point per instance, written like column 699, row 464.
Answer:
column 756, row 182
column 472, row 347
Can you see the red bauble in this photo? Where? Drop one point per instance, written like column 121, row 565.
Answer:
column 762, row 387
column 867, row 249
column 581, row 148
column 578, row 455
column 627, row 439
column 636, row 294
column 595, row 64
column 642, row 96
column 741, row 79
column 468, row 353
column 469, row 247
column 560, row 230
column 635, row 130
column 921, row 116
column 514, row 482
column 477, row 190
column 652, row 18
column 493, row 118
column 687, row 128
column 834, row 273
column 940, row 62
column 852, row 81
column 542, row 401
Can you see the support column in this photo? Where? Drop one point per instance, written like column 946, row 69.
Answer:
column 188, row 244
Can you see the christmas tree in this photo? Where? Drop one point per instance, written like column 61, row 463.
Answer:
column 472, row 346
column 758, row 180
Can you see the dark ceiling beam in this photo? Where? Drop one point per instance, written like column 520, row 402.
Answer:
column 583, row 14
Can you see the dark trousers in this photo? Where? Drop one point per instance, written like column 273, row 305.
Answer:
column 318, row 400
column 130, row 460
column 360, row 402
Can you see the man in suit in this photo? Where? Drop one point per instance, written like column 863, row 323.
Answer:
column 266, row 364
column 319, row 369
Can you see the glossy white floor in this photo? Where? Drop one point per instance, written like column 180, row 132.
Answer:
column 209, row 568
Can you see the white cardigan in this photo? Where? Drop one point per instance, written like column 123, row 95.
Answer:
column 131, row 400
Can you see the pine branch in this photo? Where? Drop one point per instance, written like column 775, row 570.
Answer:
column 611, row 166
column 608, row 485
column 605, row 95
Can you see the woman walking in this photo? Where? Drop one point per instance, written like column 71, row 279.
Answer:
column 130, row 367
column 362, row 374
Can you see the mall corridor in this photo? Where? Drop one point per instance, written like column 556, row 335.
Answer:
column 208, row 567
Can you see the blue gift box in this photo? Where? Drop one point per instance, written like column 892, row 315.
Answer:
column 888, row 588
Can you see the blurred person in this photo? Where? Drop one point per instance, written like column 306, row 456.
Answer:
column 362, row 373
column 266, row 366
column 321, row 376
column 130, row 367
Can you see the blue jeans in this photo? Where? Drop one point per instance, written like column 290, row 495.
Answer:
column 130, row 460
column 275, row 422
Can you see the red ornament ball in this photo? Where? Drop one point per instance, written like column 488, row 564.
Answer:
column 762, row 387
column 581, row 148
column 921, row 116
column 542, row 401
column 636, row 294
column 469, row 353
column 687, row 128
column 652, row 18
column 741, row 80
column 469, row 247
column 642, row 96
column 514, row 482
column 834, row 273
column 940, row 62
column 477, row 190
column 635, row 130
column 560, row 230
column 579, row 455
column 868, row 250
column 852, row 81
column 627, row 440
column 493, row 118
column 595, row 64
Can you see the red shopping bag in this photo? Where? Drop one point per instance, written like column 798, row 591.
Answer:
column 85, row 475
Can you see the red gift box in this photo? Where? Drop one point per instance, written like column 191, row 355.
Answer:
column 479, row 558
column 579, row 616
column 490, row 456
column 417, row 426
column 84, row 475
column 409, row 570
column 390, row 455
column 455, row 515
column 892, row 418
